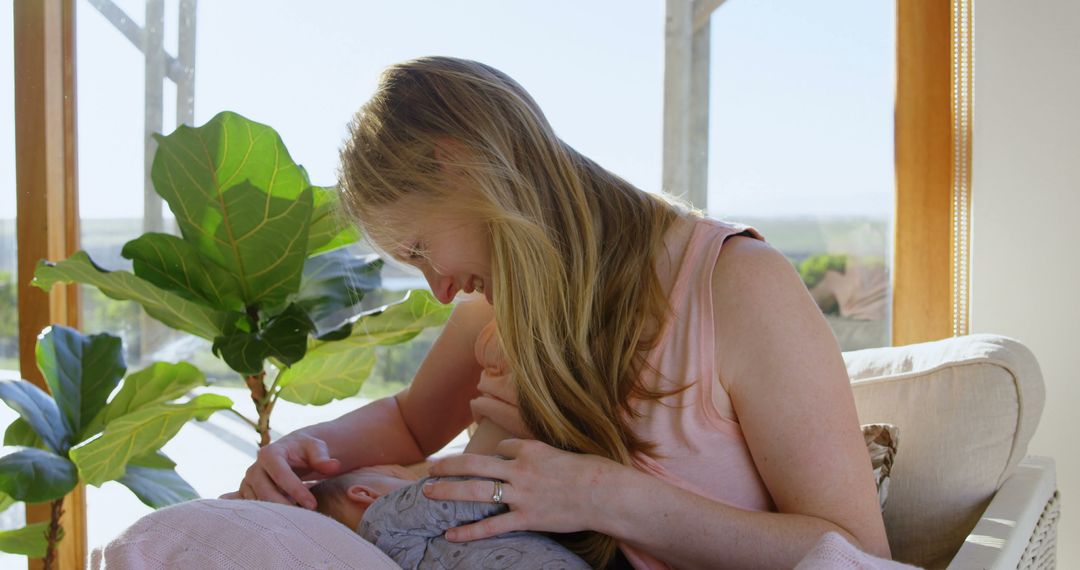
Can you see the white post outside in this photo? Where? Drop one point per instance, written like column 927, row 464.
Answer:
column 678, row 49
column 686, row 99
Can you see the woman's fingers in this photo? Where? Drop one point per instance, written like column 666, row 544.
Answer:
column 259, row 485
column 274, row 476
column 298, row 493
column 486, row 528
column 476, row 490
column 546, row 489
column 317, row 457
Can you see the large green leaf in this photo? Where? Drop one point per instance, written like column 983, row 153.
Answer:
column 139, row 433
column 399, row 322
column 155, row 460
column 21, row 434
column 336, row 372
column 81, row 372
column 28, row 541
column 330, row 229
column 337, row 369
column 333, row 285
column 240, row 200
column 243, row 352
column 157, row 488
column 169, row 308
column 285, row 338
column 155, row 384
column 35, row 475
column 175, row 265
column 39, row 410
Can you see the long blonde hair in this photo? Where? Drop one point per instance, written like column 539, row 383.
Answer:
column 576, row 297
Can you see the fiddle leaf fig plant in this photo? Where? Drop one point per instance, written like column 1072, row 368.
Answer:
column 263, row 268
column 76, row 432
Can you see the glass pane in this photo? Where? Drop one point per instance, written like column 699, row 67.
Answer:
column 801, row 146
column 15, row 516
column 9, row 345
column 112, row 101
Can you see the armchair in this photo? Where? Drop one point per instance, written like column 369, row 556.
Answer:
column 963, row 493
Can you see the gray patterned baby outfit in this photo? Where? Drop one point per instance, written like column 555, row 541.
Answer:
column 409, row 528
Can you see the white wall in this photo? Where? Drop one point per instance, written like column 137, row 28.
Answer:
column 1026, row 213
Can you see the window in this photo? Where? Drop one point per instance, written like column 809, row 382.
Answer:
column 801, row 146
column 612, row 56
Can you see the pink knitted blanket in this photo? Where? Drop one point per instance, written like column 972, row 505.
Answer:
column 832, row 552
column 235, row 535
column 238, row 535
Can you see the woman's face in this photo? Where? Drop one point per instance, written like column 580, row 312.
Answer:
column 452, row 250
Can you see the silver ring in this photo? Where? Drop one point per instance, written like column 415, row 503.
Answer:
column 496, row 497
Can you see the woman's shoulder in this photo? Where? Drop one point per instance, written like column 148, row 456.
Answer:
column 753, row 273
column 761, row 306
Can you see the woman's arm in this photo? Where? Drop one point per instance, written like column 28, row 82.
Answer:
column 783, row 371
column 402, row 429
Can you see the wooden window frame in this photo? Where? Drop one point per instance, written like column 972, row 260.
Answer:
column 47, row 218
column 932, row 226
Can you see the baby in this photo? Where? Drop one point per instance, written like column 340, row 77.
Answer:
column 386, row 506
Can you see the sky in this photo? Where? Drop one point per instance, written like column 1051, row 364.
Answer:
column 801, row 93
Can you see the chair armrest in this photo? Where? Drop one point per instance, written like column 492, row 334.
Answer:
column 1019, row 527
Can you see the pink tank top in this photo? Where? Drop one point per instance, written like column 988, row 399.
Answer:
column 697, row 448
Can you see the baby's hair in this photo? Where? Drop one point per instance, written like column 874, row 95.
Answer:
column 329, row 495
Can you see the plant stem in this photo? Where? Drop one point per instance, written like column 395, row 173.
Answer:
column 53, row 535
column 263, row 406
column 256, row 385
column 246, row 419
column 264, row 423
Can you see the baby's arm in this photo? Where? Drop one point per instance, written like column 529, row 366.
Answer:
column 488, row 434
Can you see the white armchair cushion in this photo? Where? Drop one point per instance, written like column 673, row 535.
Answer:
column 967, row 408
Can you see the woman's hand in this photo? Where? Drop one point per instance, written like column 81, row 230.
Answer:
column 546, row 489
column 280, row 468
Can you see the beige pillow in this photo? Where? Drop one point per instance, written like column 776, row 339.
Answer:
column 881, row 442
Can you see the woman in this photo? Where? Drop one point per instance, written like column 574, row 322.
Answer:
column 673, row 389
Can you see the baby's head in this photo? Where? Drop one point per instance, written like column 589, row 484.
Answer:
column 346, row 497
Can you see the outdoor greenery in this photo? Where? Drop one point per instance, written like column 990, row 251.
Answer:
column 8, row 305
column 9, row 322
column 78, row 434
column 263, row 269
column 812, row 269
